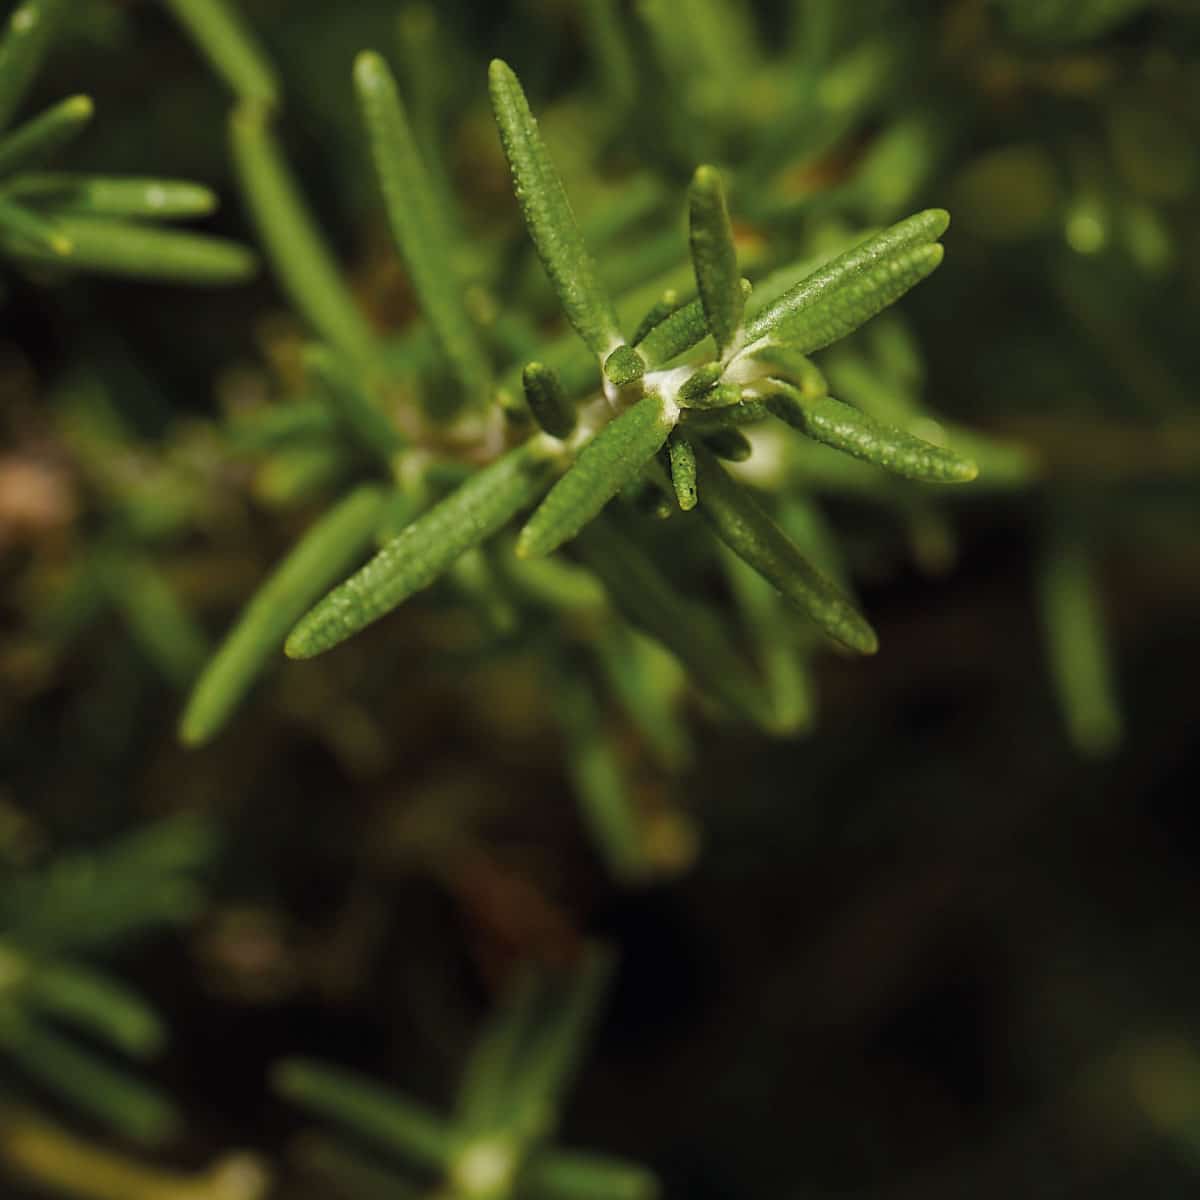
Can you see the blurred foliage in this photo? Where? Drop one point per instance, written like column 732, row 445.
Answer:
column 931, row 935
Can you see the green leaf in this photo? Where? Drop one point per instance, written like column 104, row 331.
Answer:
column 844, row 428
column 30, row 29
column 415, row 214
column 749, row 532
column 482, row 1101
column 156, row 619
column 95, row 1003
column 847, row 291
column 310, row 569
column 702, row 422
column 714, row 258
column 613, row 458
column 427, row 548
column 558, row 1044
column 39, row 138
column 662, row 308
column 683, row 471
column 233, row 52
column 647, row 598
column 559, row 1175
column 548, row 216
column 648, row 684
column 547, row 401
column 121, row 248
column 100, row 196
column 368, row 1110
column 86, row 1081
column 21, row 227
column 681, row 330
column 769, row 622
column 303, row 263
column 594, row 769
column 1077, row 642
column 841, row 310
column 624, row 366
column 356, row 407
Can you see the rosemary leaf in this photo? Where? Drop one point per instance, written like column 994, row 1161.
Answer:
column 547, row 401
column 714, row 258
column 41, row 136
column 594, row 769
column 647, row 598
column 96, row 1003
column 849, row 272
column 373, row 1112
column 299, row 256
column 568, row 1175
column 425, row 549
column 749, row 532
column 683, row 471
column 662, row 308
column 21, row 227
column 679, row 331
column 218, row 28
column 827, row 420
column 30, row 29
column 1077, row 642
column 842, row 308
column 101, row 196
column 415, row 214
column 548, row 215
column 613, row 458
column 124, row 248
column 348, row 397
column 313, row 565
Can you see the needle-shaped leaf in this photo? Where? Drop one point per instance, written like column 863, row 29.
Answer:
column 425, row 549
column 682, row 329
column 1077, row 642
column 100, row 196
column 849, row 289
column 41, row 136
column 648, row 599
column 233, row 52
column 768, row 621
column 28, row 32
column 318, row 560
column 363, row 1107
column 594, row 769
column 415, row 214
column 683, row 471
column 547, row 401
column 483, row 1091
column 299, row 256
column 701, row 421
column 613, row 458
column 741, row 523
column 827, row 420
column 96, row 1003
column 548, row 215
column 714, row 258
column 658, row 312
column 353, row 403
column 560, row 1175
column 22, row 226
column 86, row 1080
column 125, row 248
column 558, row 1044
